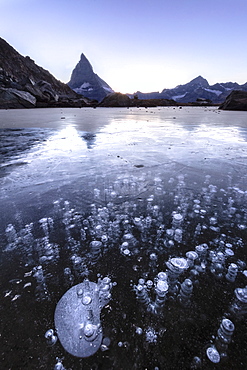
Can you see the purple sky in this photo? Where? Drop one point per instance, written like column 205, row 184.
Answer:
column 133, row 45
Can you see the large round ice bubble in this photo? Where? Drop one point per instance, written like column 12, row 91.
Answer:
column 77, row 317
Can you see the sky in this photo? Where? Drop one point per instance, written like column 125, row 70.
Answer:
column 134, row 45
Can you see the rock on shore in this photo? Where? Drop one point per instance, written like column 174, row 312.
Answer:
column 236, row 100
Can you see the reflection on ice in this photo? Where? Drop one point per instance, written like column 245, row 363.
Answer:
column 60, row 155
column 90, row 139
column 132, row 140
column 65, row 141
column 230, row 134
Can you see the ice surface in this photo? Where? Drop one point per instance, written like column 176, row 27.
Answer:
column 117, row 177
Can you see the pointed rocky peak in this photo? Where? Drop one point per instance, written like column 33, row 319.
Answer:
column 199, row 81
column 82, row 70
column 84, row 59
column 87, row 83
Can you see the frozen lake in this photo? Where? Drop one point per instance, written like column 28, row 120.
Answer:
column 150, row 185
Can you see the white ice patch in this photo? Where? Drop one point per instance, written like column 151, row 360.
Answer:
column 226, row 88
column 108, row 89
column 79, row 90
column 85, row 85
column 178, row 96
column 83, row 88
column 217, row 92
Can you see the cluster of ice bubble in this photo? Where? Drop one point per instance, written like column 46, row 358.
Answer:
column 179, row 234
column 168, row 282
column 151, row 335
column 218, row 350
column 161, row 289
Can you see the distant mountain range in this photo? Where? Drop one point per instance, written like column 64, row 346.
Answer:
column 24, row 84
column 198, row 88
column 87, row 83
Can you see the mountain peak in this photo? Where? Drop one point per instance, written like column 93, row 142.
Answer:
column 198, row 88
column 83, row 56
column 199, row 81
column 83, row 59
column 87, row 83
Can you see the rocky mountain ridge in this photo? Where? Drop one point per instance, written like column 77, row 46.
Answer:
column 198, row 88
column 24, row 84
column 87, row 83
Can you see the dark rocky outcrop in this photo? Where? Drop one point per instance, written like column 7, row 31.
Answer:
column 84, row 81
column 24, row 84
column 198, row 88
column 122, row 100
column 237, row 100
column 116, row 100
column 13, row 98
